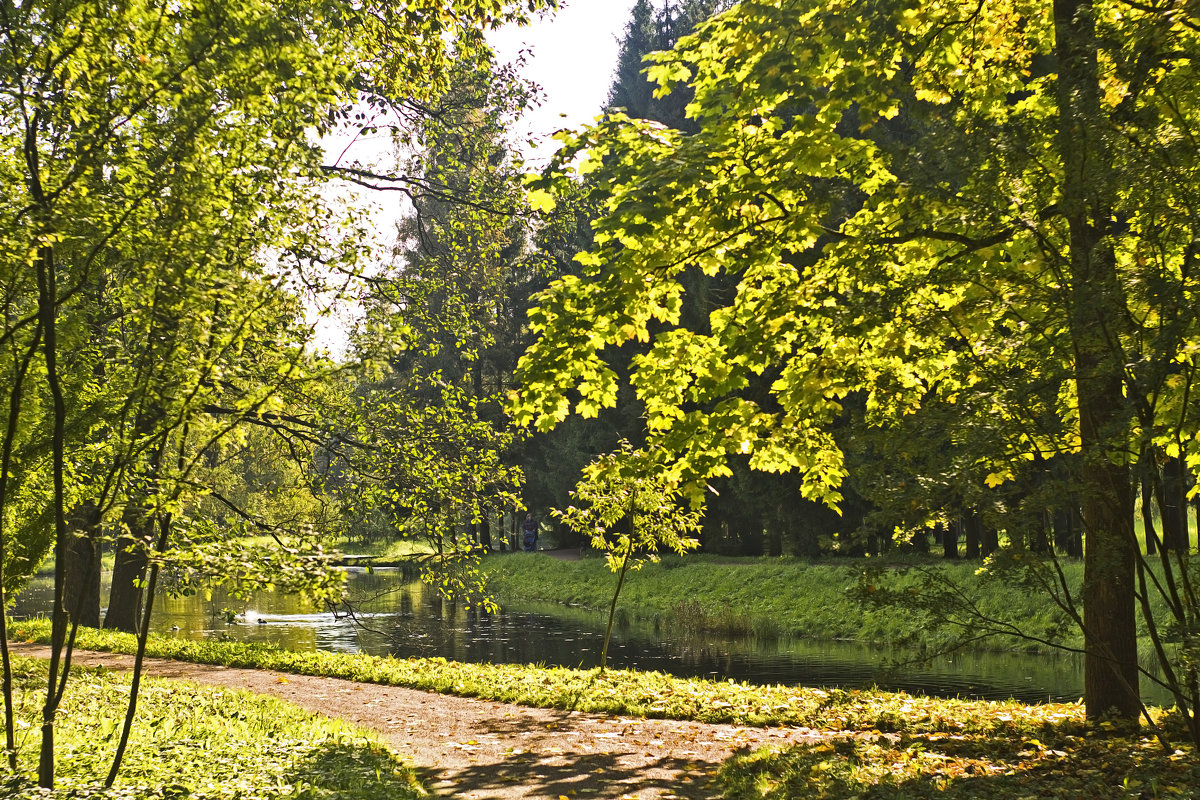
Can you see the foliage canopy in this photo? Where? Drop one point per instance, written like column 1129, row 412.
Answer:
column 987, row 209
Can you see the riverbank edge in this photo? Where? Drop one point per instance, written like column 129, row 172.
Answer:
column 771, row 598
column 617, row 692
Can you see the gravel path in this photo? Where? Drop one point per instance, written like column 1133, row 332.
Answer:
column 485, row 750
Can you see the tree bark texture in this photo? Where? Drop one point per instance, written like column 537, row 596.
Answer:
column 1148, row 513
column 1096, row 314
column 1068, row 539
column 485, row 531
column 990, row 541
column 920, row 541
column 949, row 539
column 1039, row 541
column 1173, row 505
column 48, row 313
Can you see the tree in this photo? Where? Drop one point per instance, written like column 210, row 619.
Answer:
column 161, row 203
column 910, row 196
column 731, row 525
column 652, row 29
column 438, row 329
column 551, row 460
column 629, row 513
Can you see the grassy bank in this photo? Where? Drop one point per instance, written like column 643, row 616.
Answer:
column 626, row 692
column 384, row 551
column 198, row 742
column 767, row 597
column 784, row 597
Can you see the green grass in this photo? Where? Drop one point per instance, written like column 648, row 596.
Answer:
column 787, row 597
column 783, row 597
column 1139, row 529
column 387, row 551
column 198, row 742
column 380, row 550
column 626, row 692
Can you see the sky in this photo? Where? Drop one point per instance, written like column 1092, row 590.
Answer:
column 573, row 58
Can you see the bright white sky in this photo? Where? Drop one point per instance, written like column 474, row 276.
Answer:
column 573, row 58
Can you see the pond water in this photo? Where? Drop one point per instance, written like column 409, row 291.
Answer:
column 401, row 617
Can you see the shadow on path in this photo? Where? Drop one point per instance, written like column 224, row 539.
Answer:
column 575, row 775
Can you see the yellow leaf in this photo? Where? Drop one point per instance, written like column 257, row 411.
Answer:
column 541, row 200
column 994, row 479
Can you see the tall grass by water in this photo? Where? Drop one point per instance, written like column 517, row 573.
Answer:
column 793, row 598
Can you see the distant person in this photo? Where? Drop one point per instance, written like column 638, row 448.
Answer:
column 529, row 534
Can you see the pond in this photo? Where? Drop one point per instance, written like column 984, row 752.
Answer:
column 401, row 617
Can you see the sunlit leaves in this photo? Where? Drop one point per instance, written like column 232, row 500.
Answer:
column 881, row 180
column 541, row 200
column 629, row 510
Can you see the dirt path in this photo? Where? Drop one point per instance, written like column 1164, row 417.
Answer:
column 485, row 750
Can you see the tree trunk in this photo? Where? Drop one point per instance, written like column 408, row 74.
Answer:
column 1096, row 316
column 1039, row 541
column 485, row 531
column 81, row 593
column 1173, row 505
column 612, row 608
column 920, row 541
column 1020, row 524
column 973, row 528
column 1192, row 508
column 1148, row 512
column 129, row 571
column 1068, row 536
column 48, row 315
column 82, row 590
column 949, row 539
column 6, row 449
column 774, row 542
column 989, row 542
column 1195, row 504
column 139, row 658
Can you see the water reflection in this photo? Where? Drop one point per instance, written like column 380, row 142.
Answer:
column 397, row 616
